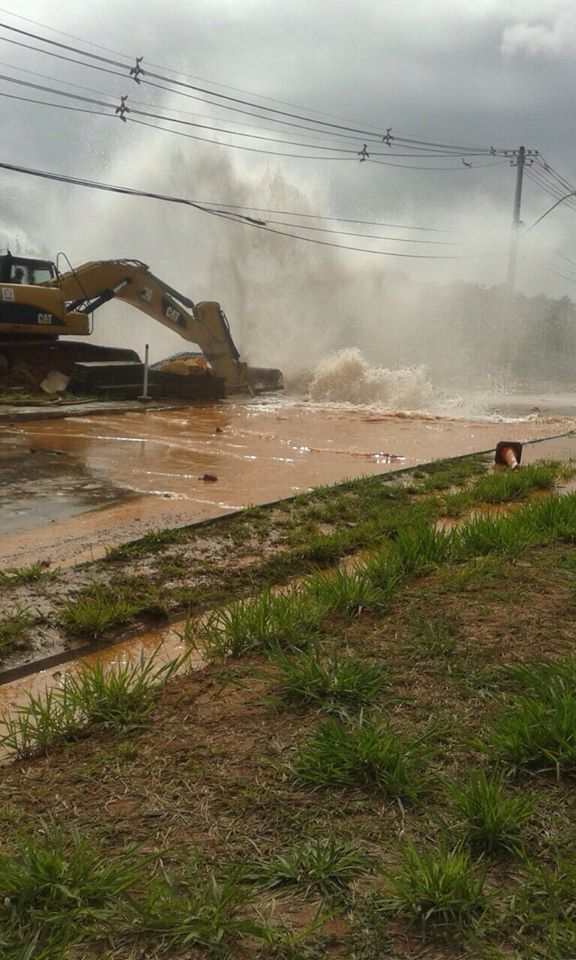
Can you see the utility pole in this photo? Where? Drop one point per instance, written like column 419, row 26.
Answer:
column 519, row 158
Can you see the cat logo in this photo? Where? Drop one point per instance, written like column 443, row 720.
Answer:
column 172, row 313
column 44, row 319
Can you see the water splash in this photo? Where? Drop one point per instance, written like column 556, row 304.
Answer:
column 347, row 377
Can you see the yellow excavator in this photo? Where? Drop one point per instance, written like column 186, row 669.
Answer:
column 38, row 305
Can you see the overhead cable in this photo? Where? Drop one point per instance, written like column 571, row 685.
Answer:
column 227, row 215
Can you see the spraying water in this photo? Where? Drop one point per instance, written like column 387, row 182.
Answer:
column 346, row 376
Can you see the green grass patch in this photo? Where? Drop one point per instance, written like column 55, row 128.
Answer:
column 456, row 504
column 537, row 732
column 151, row 542
column 103, row 607
column 55, row 889
column 505, row 486
column 437, row 887
column 543, row 909
column 487, row 534
column 432, row 636
column 542, row 678
column 551, row 520
column 364, row 753
column 490, row 817
column 35, row 572
column 198, row 908
column 323, row 865
column 287, row 621
column 346, row 593
column 418, row 551
column 330, row 682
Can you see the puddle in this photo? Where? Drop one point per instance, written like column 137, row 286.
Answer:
column 40, row 486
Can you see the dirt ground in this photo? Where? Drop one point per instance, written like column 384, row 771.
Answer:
column 211, row 776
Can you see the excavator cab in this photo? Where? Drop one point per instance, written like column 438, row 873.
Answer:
column 26, row 270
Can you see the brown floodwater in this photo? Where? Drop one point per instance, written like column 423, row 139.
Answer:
column 120, row 475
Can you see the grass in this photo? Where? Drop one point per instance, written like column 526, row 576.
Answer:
column 102, row 607
column 364, row 753
column 59, row 890
column 196, row 909
column 255, row 770
column 541, row 677
column 504, row 486
column 537, row 732
column 437, row 887
column 15, row 631
column 54, row 888
column 324, row 549
column 118, row 699
column 419, row 550
column 551, row 520
column 152, row 541
column 329, row 682
column 324, row 865
column 490, row 818
column 488, row 534
column 456, row 504
column 39, row 724
column 545, row 902
column 348, row 593
column 35, row 572
column 289, row 621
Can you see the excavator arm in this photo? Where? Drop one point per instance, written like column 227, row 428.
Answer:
column 89, row 286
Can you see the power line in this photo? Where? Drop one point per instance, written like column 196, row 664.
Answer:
column 180, row 73
column 159, row 86
column 139, row 74
column 348, row 233
column 351, row 153
column 227, row 215
column 316, row 216
column 55, row 106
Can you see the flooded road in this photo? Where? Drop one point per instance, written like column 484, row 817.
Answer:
column 102, row 480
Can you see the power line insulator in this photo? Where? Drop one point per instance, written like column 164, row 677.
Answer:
column 136, row 71
column 122, row 110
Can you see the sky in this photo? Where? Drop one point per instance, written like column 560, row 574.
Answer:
column 490, row 74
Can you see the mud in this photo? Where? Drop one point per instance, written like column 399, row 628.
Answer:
column 94, row 482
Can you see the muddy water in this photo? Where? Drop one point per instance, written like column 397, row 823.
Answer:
column 259, row 450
